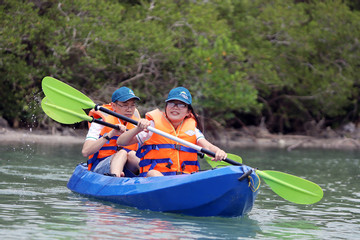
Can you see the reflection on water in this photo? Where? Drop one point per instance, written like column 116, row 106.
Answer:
column 35, row 203
column 132, row 223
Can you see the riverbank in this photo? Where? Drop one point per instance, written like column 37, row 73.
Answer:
column 11, row 136
column 228, row 139
column 291, row 142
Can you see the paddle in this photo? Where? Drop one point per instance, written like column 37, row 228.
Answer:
column 215, row 164
column 68, row 116
column 287, row 186
column 64, row 95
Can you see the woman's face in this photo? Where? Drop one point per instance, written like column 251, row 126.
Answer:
column 176, row 111
column 125, row 108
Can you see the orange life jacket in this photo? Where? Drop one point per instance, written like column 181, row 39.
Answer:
column 110, row 147
column 165, row 155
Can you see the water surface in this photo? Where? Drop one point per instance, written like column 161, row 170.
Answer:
column 35, row 203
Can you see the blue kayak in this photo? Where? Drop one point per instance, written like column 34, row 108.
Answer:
column 216, row 192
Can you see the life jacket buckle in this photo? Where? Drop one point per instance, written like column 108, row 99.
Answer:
column 154, row 147
column 177, row 147
column 183, row 167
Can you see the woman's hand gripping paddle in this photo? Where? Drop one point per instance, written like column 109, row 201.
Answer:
column 287, row 186
column 216, row 164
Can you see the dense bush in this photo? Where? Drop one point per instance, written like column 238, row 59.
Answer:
column 289, row 62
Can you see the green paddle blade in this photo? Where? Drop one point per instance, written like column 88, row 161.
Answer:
column 292, row 188
column 62, row 94
column 215, row 164
column 63, row 115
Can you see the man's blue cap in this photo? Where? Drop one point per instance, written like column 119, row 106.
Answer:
column 123, row 94
column 181, row 94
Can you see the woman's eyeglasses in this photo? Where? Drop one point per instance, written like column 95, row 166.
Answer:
column 179, row 105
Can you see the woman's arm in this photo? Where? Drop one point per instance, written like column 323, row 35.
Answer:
column 129, row 137
column 219, row 153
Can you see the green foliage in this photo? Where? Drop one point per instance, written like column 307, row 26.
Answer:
column 221, row 78
column 20, row 56
column 301, row 57
column 290, row 61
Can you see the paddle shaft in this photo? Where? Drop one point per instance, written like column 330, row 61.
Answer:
column 106, row 124
column 164, row 134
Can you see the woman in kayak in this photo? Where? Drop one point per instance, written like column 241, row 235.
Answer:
column 161, row 156
column 105, row 157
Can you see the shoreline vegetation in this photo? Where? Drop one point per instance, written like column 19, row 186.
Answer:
column 288, row 63
column 254, row 137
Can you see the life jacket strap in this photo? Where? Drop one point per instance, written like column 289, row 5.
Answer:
column 194, row 163
column 164, row 173
column 95, row 161
column 141, row 152
column 113, row 138
column 109, row 148
column 154, row 162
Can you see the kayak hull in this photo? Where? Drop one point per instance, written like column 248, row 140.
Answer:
column 216, row 192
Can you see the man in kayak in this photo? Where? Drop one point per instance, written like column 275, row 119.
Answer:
column 161, row 156
column 105, row 157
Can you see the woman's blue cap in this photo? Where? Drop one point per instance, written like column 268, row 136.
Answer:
column 181, row 94
column 123, row 94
